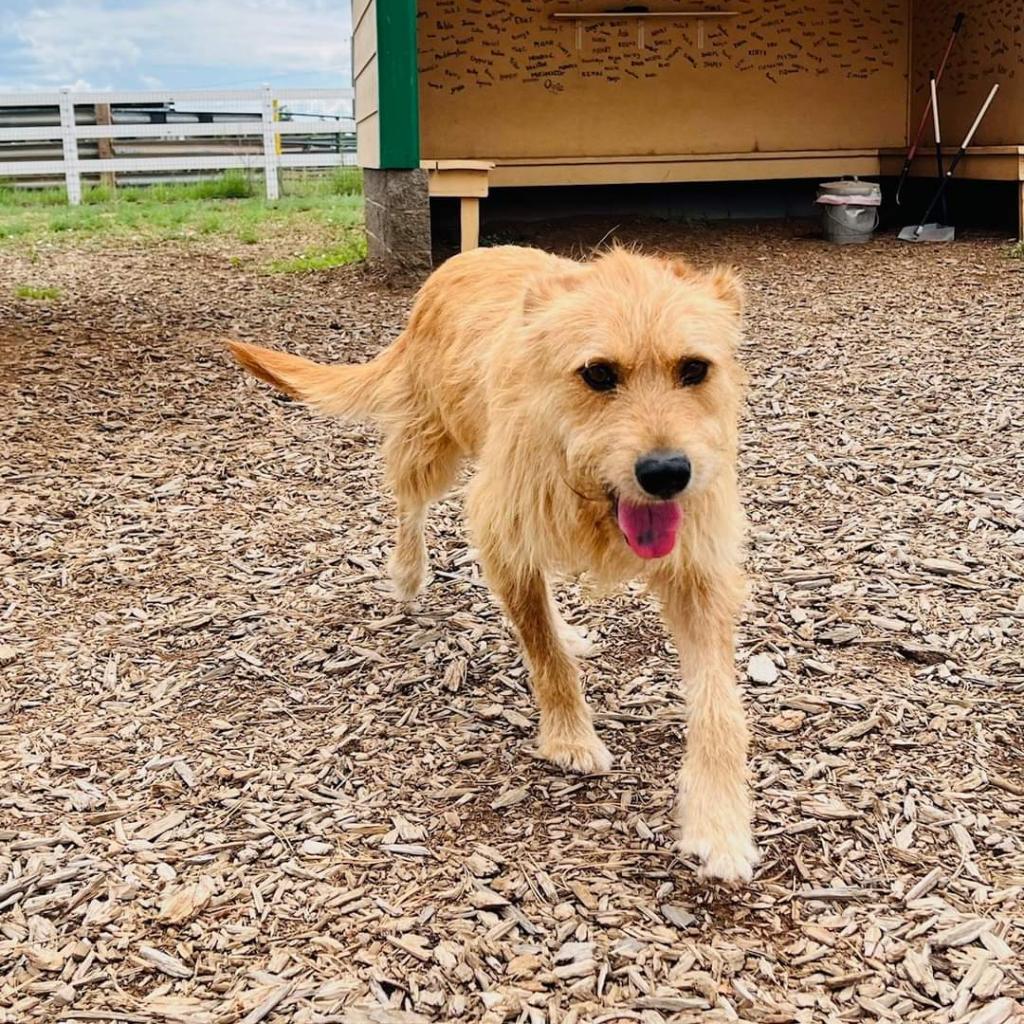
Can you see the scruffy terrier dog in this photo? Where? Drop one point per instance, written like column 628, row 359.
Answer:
column 599, row 401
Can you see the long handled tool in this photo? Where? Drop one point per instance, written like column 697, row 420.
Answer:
column 940, row 166
column 922, row 232
column 943, row 232
column 957, row 25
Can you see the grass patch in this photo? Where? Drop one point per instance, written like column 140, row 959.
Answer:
column 233, row 185
column 324, row 208
column 247, row 233
column 342, row 181
column 13, row 229
column 351, row 250
column 1017, row 251
column 41, row 293
column 210, row 224
column 32, row 197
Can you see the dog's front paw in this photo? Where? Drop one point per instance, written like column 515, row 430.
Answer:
column 729, row 856
column 578, row 750
column 577, row 642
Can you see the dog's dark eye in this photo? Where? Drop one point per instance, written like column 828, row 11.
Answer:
column 692, row 371
column 599, row 376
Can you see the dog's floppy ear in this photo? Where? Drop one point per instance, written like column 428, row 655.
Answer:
column 723, row 281
column 545, row 289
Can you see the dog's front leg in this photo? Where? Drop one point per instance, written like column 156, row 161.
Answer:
column 714, row 801
column 567, row 735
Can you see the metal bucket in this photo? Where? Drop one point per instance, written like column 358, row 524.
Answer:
column 849, row 210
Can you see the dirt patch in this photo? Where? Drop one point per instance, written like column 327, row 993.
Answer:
column 241, row 784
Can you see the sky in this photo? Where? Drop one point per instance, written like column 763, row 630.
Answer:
column 173, row 44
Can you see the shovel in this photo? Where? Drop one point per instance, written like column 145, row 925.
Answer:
column 925, row 232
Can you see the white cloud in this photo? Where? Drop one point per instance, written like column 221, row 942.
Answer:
column 137, row 42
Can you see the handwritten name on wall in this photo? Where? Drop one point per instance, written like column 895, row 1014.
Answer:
column 479, row 45
column 990, row 47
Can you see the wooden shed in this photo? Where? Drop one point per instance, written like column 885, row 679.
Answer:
column 458, row 97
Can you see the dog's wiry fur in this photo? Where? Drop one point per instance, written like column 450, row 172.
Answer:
column 488, row 368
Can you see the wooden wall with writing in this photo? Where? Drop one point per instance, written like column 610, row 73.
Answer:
column 989, row 49
column 502, row 79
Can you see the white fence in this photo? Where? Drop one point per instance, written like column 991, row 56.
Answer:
column 73, row 166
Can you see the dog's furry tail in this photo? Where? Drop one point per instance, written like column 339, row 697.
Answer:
column 357, row 391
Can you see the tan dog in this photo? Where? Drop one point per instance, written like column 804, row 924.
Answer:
column 600, row 403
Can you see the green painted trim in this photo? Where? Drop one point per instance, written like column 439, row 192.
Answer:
column 398, row 95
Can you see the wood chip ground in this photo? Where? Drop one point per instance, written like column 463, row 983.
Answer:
column 240, row 785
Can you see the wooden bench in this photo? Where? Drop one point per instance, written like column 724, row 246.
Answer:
column 469, row 181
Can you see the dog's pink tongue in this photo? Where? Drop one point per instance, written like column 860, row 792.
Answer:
column 650, row 530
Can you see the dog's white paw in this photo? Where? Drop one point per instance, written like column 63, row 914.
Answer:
column 726, row 856
column 579, row 751
column 577, row 643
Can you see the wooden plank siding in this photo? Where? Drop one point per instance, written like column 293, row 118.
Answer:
column 365, row 79
column 385, row 78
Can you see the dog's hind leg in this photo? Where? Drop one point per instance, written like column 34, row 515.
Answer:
column 714, row 802
column 421, row 466
column 407, row 565
column 566, row 735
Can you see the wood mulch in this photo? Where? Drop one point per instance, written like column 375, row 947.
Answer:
column 240, row 785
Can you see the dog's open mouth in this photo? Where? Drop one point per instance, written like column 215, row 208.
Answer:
column 650, row 529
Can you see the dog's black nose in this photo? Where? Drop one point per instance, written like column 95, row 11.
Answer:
column 663, row 474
